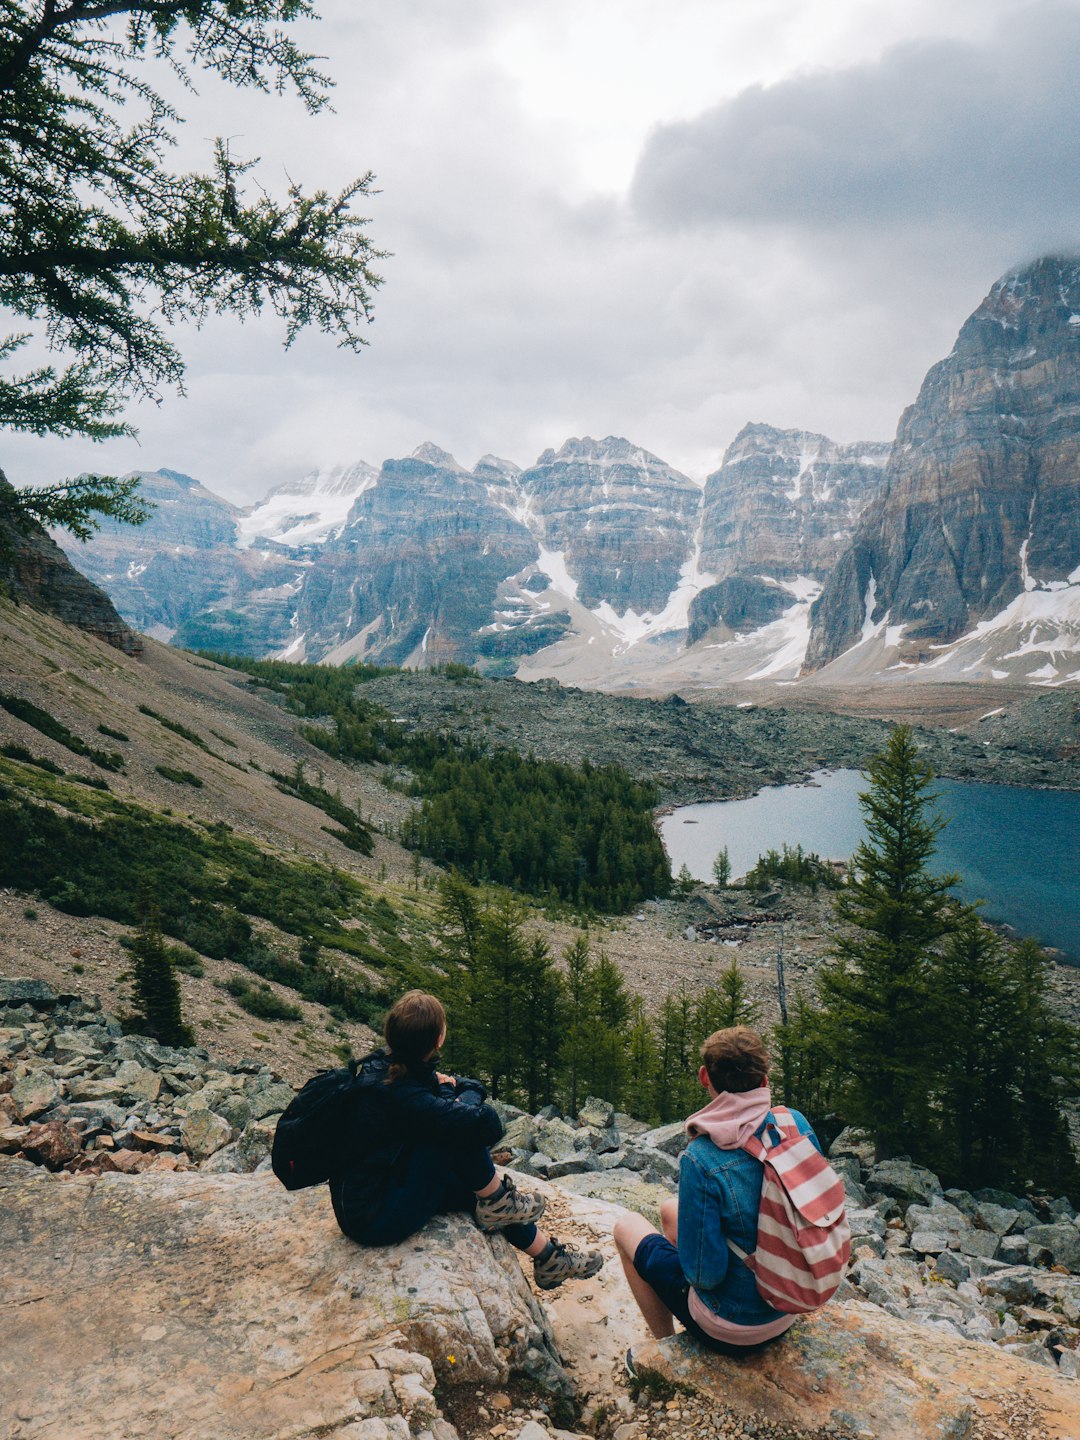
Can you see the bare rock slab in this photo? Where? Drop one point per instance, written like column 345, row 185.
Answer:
column 175, row 1306
column 866, row 1372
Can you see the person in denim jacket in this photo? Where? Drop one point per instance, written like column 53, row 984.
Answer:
column 688, row 1273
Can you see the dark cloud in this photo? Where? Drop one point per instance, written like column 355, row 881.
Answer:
column 947, row 134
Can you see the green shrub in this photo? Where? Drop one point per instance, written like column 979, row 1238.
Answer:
column 19, row 752
column 176, row 728
column 46, row 724
column 113, row 734
column 179, row 777
column 794, row 866
column 261, row 1001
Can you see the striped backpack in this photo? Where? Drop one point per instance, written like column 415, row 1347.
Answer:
column 803, row 1240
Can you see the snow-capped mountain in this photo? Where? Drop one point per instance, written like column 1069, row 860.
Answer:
column 967, row 565
column 307, row 511
column 953, row 553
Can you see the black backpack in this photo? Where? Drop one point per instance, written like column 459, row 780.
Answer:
column 309, row 1133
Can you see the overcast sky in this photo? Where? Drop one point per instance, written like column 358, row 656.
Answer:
column 657, row 220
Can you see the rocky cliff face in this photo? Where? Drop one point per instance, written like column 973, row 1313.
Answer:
column 622, row 520
column 414, row 573
column 184, row 562
column 35, row 571
column 777, row 514
column 977, row 531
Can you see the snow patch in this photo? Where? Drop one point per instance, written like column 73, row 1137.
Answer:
column 553, row 564
column 869, row 629
column 306, row 511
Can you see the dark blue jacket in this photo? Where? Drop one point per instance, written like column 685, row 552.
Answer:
column 389, row 1116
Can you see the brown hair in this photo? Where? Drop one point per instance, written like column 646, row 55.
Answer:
column 736, row 1059
column 413, row 1028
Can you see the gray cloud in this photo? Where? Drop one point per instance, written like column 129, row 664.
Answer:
column 955, row 135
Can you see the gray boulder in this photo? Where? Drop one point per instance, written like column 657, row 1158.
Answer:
column 926, row 1242
column 597, row 1113
column 579, row 1164
column 983, row 1243
column 1062, row 1240
column 203, row 1132
column 1014, row 1250
column 998, row 1218
column 605, row 1142
column 520, row 1134
column 1062, row 1208
column 34, row 1093
column 856, row 1144
column 909, row 1184
column 559, row 1140
column 669, row 1139
column 27, row 992
column 964, row 1201
column 944, row 1218
column 269, row 1099
column 950, row 1267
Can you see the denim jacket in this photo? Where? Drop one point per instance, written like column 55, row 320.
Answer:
column 719, row 1196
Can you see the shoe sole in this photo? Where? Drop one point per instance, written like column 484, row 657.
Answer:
column 490, row 1228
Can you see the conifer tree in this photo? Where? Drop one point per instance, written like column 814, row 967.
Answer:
column 974, row 986
column 877, row 1022
column 1046, row 1050
column 578, row 1018
column 721, row 867
column 639, row 1092
column 156, row 988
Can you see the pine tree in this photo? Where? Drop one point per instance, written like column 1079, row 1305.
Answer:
column 721, row 1007
column 877, row 1021
column 1046, row 1051
column 975, row 997
column 156, row 988
column 677, row 1063
column 578, row 1019
column 639, row 1092
column 721, row 867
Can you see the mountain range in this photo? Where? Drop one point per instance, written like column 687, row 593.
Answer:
column 953, row 552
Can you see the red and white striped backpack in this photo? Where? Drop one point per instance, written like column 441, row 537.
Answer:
column 803, row 1239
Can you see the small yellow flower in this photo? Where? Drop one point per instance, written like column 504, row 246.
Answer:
column 452, row 1359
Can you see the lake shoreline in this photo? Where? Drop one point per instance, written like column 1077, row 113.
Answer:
column 1012, row 846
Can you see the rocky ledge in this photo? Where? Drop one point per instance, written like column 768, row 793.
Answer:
column 180, row 1298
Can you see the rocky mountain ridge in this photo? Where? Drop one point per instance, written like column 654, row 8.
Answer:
column 954, row 553
column 970, row 556
column 595, row 550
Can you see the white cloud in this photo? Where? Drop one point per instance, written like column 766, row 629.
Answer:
column 526, row 299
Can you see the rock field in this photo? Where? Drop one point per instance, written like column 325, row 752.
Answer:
column 84, row 1106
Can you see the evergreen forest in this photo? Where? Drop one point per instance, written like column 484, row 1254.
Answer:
column 581, row 834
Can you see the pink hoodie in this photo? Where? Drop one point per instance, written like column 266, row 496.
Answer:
column 731, row 1118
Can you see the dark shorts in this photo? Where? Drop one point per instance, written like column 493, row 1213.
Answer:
column 656, row 1260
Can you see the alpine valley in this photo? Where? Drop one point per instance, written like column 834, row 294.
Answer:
column 951, row 554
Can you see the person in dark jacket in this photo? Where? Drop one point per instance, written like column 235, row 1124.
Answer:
column 419, row 1146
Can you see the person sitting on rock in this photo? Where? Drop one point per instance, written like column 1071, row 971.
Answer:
column 689, row 1273
column 419, row 1147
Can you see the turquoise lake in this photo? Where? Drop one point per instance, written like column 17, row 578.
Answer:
column 1016, row 849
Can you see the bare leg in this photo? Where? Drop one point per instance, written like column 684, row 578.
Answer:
column 630, row 1230
column 490, row 1188
column 669, row 1219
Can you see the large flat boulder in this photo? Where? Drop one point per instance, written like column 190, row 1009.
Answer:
column 178, row 1306
column 859, row 1369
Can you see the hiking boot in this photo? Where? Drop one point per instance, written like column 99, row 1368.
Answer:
column 508, row 1207
column 561, row 1262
